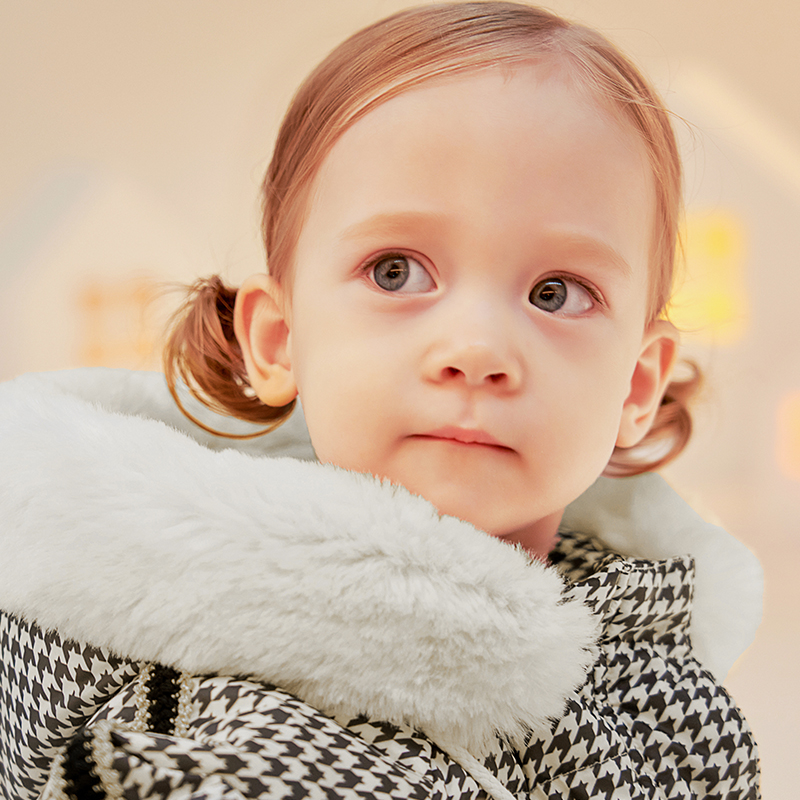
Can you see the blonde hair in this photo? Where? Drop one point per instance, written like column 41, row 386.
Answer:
column 378, row 63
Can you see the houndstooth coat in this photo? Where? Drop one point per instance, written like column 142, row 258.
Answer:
column 185, row 620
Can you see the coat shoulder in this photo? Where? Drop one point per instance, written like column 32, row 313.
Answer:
column 649, row 713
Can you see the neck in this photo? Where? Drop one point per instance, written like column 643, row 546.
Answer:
column 538, row 538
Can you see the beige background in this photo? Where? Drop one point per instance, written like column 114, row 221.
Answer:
column 134, row 134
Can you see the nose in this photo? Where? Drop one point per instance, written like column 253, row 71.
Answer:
column 477, row 354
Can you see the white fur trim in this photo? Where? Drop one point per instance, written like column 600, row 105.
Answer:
column 644, row 518
column 120, row 531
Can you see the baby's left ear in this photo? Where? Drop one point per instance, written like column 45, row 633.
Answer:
column 649, row 382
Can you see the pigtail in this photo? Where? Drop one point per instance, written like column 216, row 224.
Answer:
column 669, row 433
column 202, row 352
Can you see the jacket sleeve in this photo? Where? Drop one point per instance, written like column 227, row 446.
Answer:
column 49, row 687
column 111, row 762
column 240, row 739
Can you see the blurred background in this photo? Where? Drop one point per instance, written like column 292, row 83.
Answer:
column 134, row 134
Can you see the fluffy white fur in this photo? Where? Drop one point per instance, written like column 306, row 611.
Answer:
column 119, row 530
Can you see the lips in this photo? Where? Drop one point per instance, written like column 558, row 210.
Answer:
column 465, row 436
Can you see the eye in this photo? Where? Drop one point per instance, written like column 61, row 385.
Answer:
column 395, row 272
column 562, row 295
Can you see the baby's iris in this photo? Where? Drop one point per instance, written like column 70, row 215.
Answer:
column 549, row 294
column 391, row 273
column 394, row 273
column 564, row 296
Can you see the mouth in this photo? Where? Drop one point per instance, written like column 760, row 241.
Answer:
column 467, row 437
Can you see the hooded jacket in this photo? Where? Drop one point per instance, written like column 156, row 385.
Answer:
column 233, row 619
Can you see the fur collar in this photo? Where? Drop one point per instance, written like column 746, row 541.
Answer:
column 120, row 531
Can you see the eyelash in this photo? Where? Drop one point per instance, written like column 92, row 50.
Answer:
column 376, row 259
column 567, row 278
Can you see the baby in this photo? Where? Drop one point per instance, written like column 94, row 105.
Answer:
column 470, row 220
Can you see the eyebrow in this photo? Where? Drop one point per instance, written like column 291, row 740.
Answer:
column 583, row 244
column 393, row 223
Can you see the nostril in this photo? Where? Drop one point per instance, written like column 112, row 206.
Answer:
column 492, row 377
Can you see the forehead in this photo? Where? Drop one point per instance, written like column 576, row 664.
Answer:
column 499, row 150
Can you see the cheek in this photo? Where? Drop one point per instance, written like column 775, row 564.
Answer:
column 339, row 391
column 331, row 414
column 596, row 363
column 593, row 378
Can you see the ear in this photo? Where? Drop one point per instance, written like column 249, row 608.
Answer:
column 649, row 382
column 260, row 324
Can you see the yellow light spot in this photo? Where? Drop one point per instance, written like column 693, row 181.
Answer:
column 712, row 300
column 788, row 430
column 719, row 242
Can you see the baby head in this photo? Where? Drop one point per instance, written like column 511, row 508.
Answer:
column 471, row 221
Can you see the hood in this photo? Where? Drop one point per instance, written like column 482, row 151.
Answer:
column 127, row 527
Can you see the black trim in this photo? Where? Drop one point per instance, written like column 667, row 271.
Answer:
column 81, row 782
column 163, row 690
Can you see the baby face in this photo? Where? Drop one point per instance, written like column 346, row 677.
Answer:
column 467, row 312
